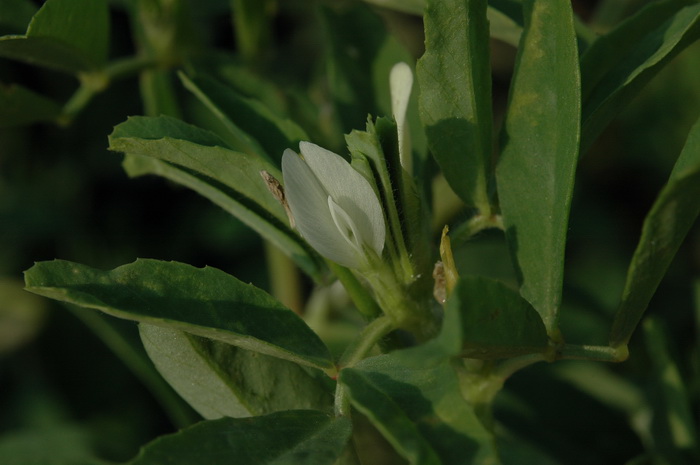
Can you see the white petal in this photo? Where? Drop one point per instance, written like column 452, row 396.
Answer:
column 400, row 84
column 308, row 201
column 345, row 224
column 350, row 191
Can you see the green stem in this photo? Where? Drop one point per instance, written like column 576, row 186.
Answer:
column 127, row 67
column 593, row 353
column 362, row 299
column 358, row 350
column 475, row 225
column 285, row 282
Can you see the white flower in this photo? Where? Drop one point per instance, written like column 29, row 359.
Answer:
column 334, row 207
column 400, row 84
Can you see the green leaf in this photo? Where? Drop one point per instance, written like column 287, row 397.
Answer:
column 67, row 35
column 413, row 398
column 673, row 425
column 20, row 106
column 455, row 82
column 618, row 65
column 196, row 158
column 496, row 322
column 247, row 124
column 301, row 437
column 664, row 229
column 220, row 380
column 535, row 174
column 203, row 301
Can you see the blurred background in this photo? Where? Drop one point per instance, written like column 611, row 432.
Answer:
column 77, row 384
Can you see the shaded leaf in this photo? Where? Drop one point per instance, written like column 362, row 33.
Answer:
column 664, row 229
column 197, row 159
column 202, row 301
column 220, row 380
column 68, row 35
column 413, row 398
column 20, row 106
column 247, row 124
column 673, row 426
column 455, row 101
column 496, row 322
column 618, row 65
column 301, row 437
column 535, row 174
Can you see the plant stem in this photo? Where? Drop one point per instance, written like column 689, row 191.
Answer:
column 285, row 282
column 475, row 225
column 364, row 302
column 594, row 353
column 358, row 350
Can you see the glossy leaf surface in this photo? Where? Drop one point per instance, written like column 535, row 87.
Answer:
column 202, row 301
column 535, row 174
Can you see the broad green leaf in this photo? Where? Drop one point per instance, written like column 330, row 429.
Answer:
column 16, row 14
column 228, row 199
column 203, row 301
column 664, row 229
column 618, row 65
column 197, row 159
column 297, row 437
column 535, row 174
column 20, row 106
column 413, row 398
column 247, row 124
column 68, row 35
column 201, row 151
column 673, row 426
column 496, row 322
column 455, row 83
column 220, row 380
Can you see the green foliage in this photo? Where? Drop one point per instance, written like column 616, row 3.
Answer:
column 419, row 352
column 206, row 302
column 540, row 150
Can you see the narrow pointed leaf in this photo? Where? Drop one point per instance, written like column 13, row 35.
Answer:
column 298, row 437
column 413, row 398
column 496, row 321
column 232, row 202
column 20, row 106
column 219, row 379
column 535, row 174
column 455, row 84
column 247, row 124
column 620, row 64
column 68, row 35
column 673, row 424
column 665, row 226
column 197, row 159
column 202, row 301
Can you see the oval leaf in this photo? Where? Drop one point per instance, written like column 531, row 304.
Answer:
column 298, row 437
column 455, row 101
column 540, row 149
column 202, row 301
column 221, row 380
column 496, row 321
